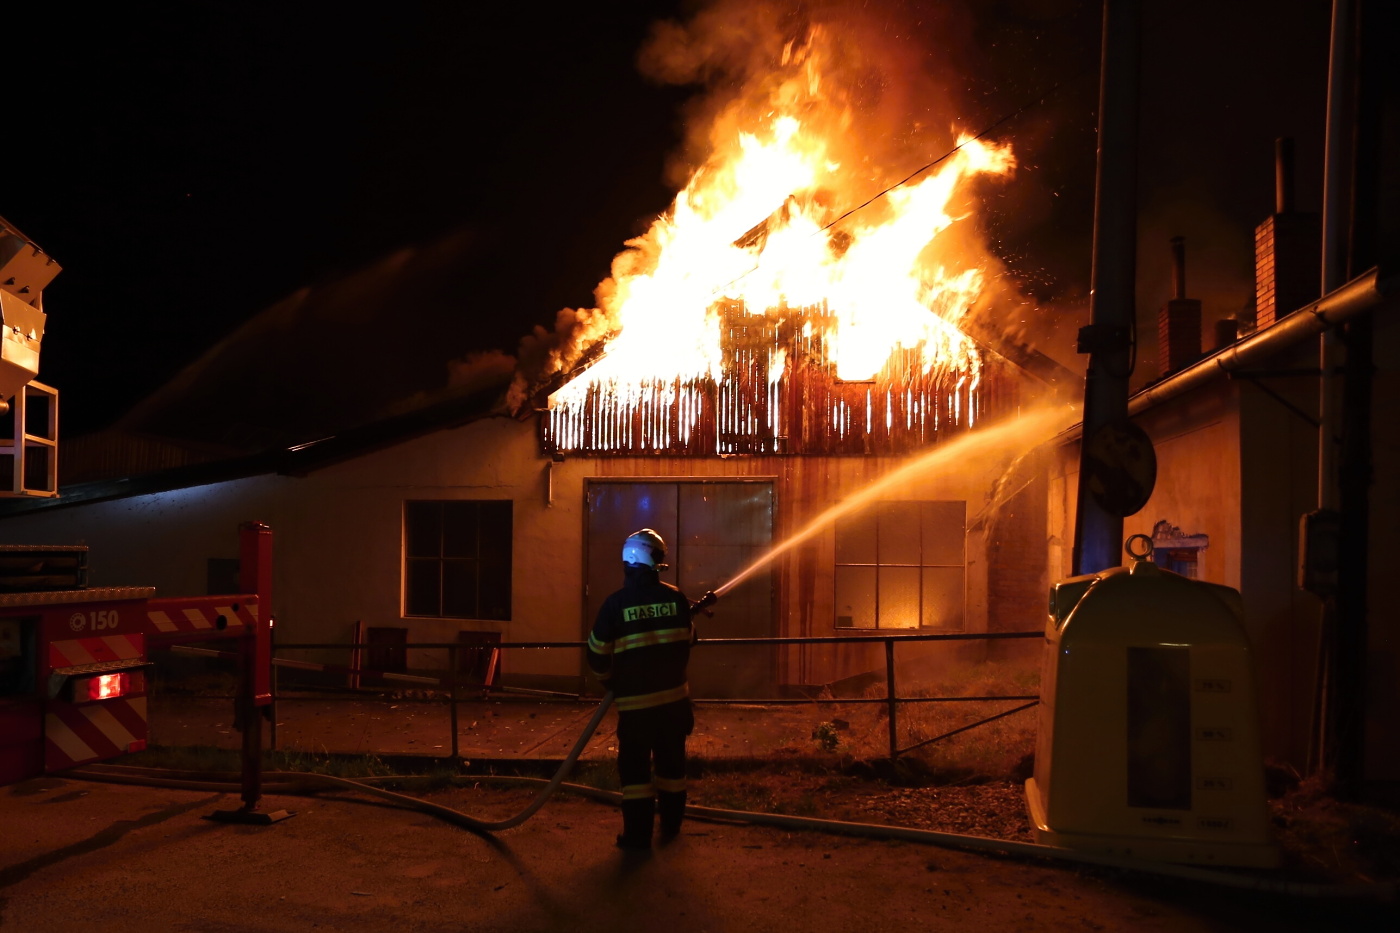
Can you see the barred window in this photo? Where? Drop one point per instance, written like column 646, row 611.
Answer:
column 457, row 558
column 900, row 565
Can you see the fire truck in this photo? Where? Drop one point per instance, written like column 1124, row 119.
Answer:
column 75, row 659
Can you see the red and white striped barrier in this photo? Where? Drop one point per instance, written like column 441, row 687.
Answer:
column 76, row 652
column 75, row 735
column 203, row 619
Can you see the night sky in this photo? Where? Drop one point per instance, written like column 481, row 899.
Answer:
column 188, row 164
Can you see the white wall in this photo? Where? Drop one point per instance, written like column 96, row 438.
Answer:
column 338, row 537
column 162, row 540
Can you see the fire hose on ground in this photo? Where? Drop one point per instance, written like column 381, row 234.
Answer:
column 299, row 783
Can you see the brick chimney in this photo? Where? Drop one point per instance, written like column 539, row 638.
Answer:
column 1287, row 249
column 1179, row 320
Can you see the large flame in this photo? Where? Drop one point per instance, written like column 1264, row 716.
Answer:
column 782, row 217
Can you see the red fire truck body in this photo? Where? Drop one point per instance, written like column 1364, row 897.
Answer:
column 74, row 662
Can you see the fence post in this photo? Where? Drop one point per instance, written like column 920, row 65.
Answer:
column 251, row 717
column 357, row 660
column 255, row 672
column 889, row 697
column 452, row 691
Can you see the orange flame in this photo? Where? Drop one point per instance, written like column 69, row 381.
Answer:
column 759, row 224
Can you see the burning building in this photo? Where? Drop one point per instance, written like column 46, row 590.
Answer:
column 797, row 376
column 797, row 325
column 812, row 317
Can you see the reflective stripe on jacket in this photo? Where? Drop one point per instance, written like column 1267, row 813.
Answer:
column 640, row 643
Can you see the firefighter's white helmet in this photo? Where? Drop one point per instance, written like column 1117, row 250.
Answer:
column 644, row 547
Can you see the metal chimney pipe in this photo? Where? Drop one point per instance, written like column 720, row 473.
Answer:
column 1178, row 267
column 1283, row 175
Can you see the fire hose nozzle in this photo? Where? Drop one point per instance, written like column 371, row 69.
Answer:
column 704, row 603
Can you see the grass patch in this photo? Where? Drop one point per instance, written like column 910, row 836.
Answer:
column 599, row 774
column 740, row 792
column 1334, row 839
column 995, row 750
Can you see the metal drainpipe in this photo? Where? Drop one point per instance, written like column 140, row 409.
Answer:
column 1098, row 536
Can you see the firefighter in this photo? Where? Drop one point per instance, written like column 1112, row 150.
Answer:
column 639, row 648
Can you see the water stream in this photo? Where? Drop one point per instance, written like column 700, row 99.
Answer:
column 1018, row 434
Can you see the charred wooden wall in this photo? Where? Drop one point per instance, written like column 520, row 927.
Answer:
column 780, row 395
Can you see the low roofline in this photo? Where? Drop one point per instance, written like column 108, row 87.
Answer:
column 1364, row 293
column 298, row 460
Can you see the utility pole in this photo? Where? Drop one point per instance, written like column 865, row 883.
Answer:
column 1098, row 533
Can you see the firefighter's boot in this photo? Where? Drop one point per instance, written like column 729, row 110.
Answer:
column 671, row 805
column 637, row 818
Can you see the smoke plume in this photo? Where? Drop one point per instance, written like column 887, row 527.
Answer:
column 873, row 79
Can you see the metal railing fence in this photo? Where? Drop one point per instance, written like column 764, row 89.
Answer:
column 453, row 679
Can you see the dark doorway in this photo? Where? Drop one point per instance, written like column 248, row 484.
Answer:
column 713, row 529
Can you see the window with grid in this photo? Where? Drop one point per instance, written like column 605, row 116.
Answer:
column 457, row 558
column 900, row 565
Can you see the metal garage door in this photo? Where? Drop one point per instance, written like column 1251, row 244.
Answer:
column 713, row 529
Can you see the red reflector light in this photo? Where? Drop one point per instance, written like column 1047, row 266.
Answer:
column 108, row 686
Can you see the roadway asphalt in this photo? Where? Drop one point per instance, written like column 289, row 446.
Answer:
column 77, row 854
column 80, row 855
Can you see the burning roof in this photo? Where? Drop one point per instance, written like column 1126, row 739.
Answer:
column 802, row 294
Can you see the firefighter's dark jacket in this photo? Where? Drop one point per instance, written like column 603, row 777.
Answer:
column 641, row 640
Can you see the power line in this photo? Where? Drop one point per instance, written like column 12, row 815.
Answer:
column 919, row 171
column 1035, row 101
